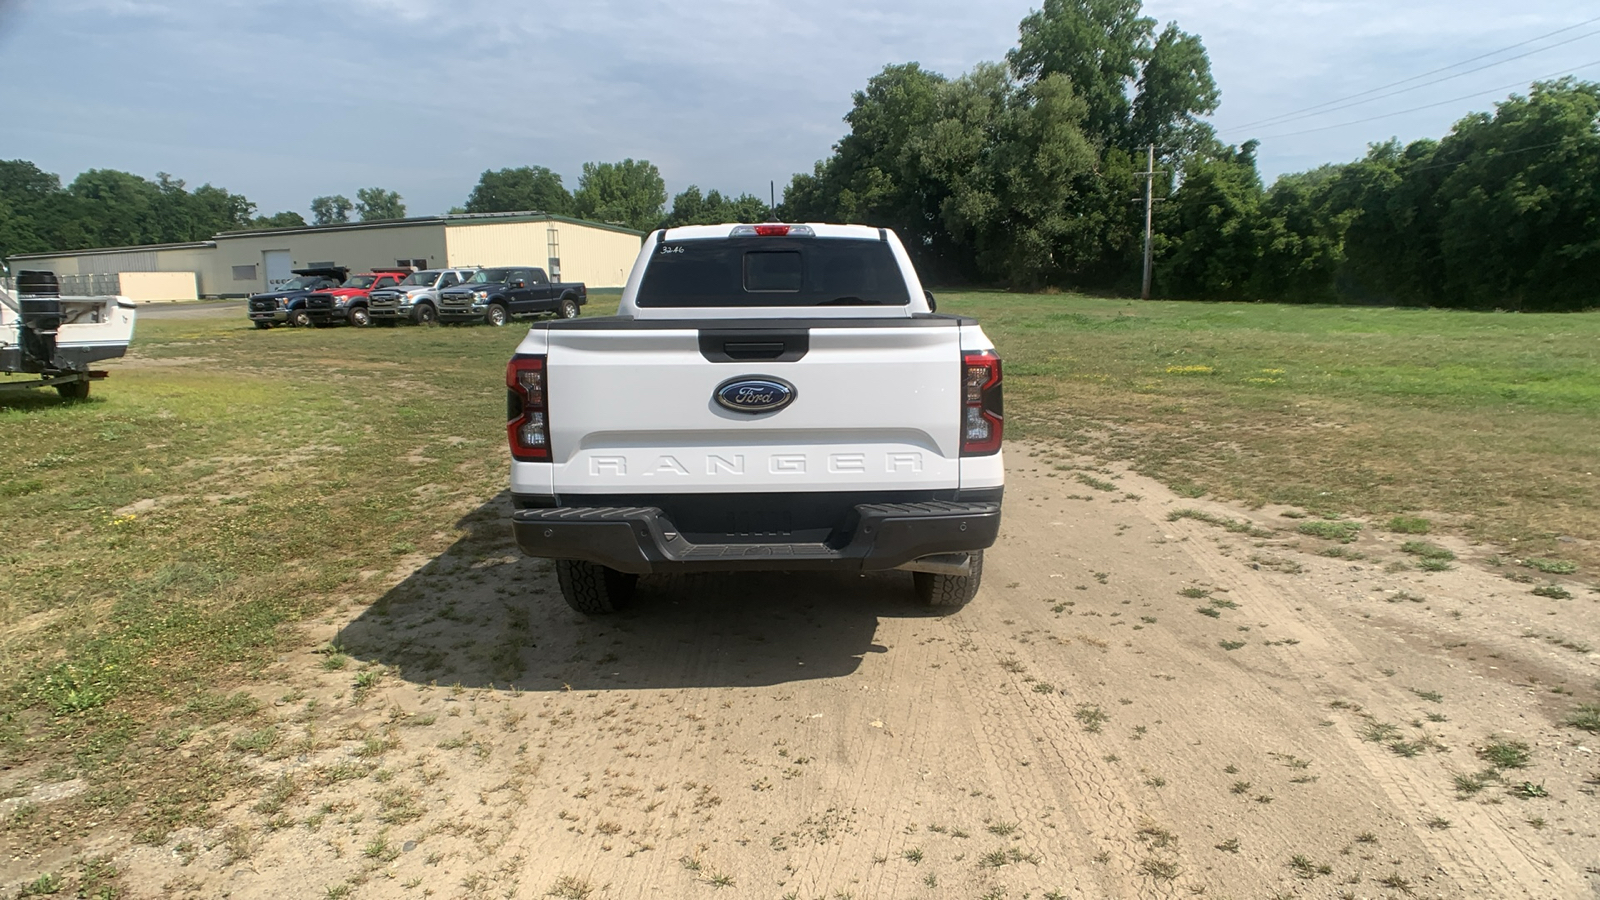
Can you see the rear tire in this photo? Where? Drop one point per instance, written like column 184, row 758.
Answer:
column 948, row 593
column 75, row 390
column 496, row 315
column 569, row 308
column 593, row 589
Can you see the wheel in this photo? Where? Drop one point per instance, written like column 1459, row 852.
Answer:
column 568, row 309
column 593, row 589
column 496, row 314
column 359, row 317
column 949, row 592
column 73, row 390
column 425, row 314
column 299, row 318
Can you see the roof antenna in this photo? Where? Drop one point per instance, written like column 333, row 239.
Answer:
column 772, row 205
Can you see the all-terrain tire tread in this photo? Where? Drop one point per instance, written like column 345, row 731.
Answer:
column 949, row 593
column 593, row 589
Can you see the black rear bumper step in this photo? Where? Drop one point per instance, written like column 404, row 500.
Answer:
column 642, row 540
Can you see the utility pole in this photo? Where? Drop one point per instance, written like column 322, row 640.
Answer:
column 1149, row 219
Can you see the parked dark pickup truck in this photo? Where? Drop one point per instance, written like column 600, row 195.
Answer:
column 287, row 304
column 495, row 295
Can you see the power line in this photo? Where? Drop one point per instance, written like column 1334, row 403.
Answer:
column 1320, row 108
column 1413, row 109
column 1283, row 120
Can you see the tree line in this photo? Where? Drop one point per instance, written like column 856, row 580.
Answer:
column 109, row 208
column 630, row 193
column 1027, row 174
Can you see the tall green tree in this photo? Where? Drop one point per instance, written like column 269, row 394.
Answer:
column 1299, row 236
column 630, row 192
column 518, row 189
column 332, row 210
column 1210, row 224
column 693, row 208
column 1175, row 89
column 287, row 219
column 1021, row 194
column 875, row 176
column 1139, row 87
column 1518, row 202
column 118, row 208
column 216, row 210
column 182, row 215
column 33, row 208
column 374, row 204
column 1099, row 45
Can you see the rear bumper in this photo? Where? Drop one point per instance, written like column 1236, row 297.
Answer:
column 642, row 540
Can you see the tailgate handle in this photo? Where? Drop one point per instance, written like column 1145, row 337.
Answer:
column 733, row 346
column 753, row 349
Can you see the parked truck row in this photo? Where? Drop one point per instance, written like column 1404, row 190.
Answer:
column 331, row 295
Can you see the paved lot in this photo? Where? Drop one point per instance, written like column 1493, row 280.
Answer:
column 205, row 309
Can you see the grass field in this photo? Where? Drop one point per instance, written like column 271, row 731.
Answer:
column 1485, row 421
column 226, row 483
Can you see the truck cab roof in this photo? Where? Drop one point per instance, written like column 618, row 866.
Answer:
column 338, row 273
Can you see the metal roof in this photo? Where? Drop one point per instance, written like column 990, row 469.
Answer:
column 448, row 219
column 138, row 248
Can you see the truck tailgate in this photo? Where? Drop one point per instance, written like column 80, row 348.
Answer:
column 876, row 407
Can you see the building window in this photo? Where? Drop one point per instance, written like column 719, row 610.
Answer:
column 414, row 263
column 244, row 273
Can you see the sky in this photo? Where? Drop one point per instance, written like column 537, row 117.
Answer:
column 286, row 100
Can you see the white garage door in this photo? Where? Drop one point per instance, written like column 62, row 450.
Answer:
column 277, row 263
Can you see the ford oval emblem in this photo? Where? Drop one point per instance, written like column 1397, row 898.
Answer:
column 755, row 394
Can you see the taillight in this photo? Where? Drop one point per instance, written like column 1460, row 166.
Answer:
column 982, row 406
column 527, row 409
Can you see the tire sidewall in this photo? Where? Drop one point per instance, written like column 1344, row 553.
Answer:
column 496, row 315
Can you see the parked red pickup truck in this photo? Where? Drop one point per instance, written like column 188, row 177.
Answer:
column 348, row 302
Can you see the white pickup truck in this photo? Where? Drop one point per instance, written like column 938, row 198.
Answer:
column 767, row 397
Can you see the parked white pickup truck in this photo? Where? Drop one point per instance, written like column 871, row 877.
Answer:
column 767, row 397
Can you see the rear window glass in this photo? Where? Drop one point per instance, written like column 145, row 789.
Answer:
column 770, row 271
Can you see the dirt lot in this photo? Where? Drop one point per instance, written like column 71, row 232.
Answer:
column 1134, row 706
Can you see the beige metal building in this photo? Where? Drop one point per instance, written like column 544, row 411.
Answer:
column 238, row 263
